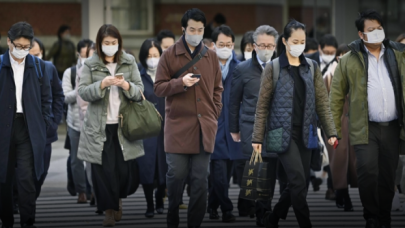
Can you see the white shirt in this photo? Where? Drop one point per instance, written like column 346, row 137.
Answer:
column 18, row 69
column 261, row 62
column 114, row 100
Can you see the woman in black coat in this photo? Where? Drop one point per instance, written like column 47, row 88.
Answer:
column 152, row 166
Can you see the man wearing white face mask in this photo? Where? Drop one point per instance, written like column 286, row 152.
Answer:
column 226, row 150
column 73, row 120
column 326, row 52
column 25, row 100
column 243, row 98
column 371, row 77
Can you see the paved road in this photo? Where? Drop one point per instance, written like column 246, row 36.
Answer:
column 55, row 208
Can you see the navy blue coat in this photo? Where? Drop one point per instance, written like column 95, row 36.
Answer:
column 225, row 147
column 155, row 156
column 58, row 99
column 36, row 101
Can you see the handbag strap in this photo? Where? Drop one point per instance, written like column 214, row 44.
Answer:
column 191, row 63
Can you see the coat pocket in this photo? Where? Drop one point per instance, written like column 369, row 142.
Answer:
column 274, row 140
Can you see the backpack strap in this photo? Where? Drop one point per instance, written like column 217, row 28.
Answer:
column 276, row 72
column 192, row 62
column 38, row 69
column 73, row 70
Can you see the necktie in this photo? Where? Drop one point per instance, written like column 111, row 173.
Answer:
column 264, row 65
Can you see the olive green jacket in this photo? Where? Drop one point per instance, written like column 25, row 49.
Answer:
column 92, row 136
column 351, row 77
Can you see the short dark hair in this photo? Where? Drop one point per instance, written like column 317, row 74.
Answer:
column 165, row 34
column 193, row 14
column 223, row 29
column 62, row 29
column 41, row 45
column 220, row 19
column 311, row 44
column 246, row 39
column 144, row 51
column 288, row 29
column 84, row 43
column 21, row 29
column 400, row 38
column 328, row 40
column 342, row 49
column 367, row 15
column 104, row 31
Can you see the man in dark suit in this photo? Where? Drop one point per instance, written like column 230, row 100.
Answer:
column 327, row 51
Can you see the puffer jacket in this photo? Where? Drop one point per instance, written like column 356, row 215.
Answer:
column 93, row 135
column 72, row 119
column 279, row 116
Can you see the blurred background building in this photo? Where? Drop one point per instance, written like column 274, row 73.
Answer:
column 141, row 19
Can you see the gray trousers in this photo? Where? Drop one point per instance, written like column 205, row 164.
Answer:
column 179, row 166
column 76, row 164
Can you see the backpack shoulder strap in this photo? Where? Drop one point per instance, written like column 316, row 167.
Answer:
column 311, row 67
column 191, row 63
column 73, row 76
column 276, row 72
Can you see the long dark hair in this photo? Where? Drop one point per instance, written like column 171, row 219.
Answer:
column 104, row 31
column 288, row 29
column 144, row 51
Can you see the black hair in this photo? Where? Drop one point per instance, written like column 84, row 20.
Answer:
column 165, row 34
column 21, row 29
column 328, row 40
column 84, row 43
column 288, row 29
column 311, row 44
column 41, row 45
column 342, row 49
column 220, row 19
column 367, row 15
column 246, row 39
column 144, row 51
column 62, row 29
column 193, row 14
column 223, row 29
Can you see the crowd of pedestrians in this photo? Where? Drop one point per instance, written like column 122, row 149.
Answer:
column 284, row 96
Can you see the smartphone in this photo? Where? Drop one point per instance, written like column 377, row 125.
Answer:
column 119, row 75
column 196, row 76
column 336, row 144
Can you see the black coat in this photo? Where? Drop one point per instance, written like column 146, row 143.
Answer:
column 155, row 156
column 244, row 94
column 315, row 56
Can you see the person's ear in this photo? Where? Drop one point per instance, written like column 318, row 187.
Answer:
column 8, row 41
column 284, row 41
column 183, row 30
column 362, row 35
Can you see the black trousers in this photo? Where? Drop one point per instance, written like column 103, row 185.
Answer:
column 220, row 176
column 377, row 162
column 263, row 206
column 296, row 163
column 112, row 179
column 244, row 206
column 21, row 164
column 47, row 162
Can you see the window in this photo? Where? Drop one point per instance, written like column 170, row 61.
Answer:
column 131, row 17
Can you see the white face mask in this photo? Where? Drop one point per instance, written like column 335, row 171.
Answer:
column 152, row 63
column 109, row 50
column 193, row 40
column 224, row 53
column 297, row 50
column 327, row 58
column 265, row 55
column 375, row 37
column 19, row 54
column 248, row 55
column 40, row 56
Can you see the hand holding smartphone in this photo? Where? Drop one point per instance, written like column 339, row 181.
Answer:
column 119, row 75
column 196, row 76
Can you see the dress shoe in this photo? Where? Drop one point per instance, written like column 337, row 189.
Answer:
column 160, row 210
column 109, row 220
column 82, row 198
column 330, row 194
column 316, row 183
column 228, row 217
column 173, row 218
column 150, row 213
column 372, row 223
column 348, row 204
column 118, row 214
column 214, row 214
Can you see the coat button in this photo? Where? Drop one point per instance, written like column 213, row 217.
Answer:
column 9, row 106
column 195, row 68
column 198, row 100
column 199, row 115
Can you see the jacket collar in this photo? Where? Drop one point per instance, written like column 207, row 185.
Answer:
column 7, row 61
column 284, row 60
column 180, row 48
column 254, row 60
column 96, row 61
column 358, row 46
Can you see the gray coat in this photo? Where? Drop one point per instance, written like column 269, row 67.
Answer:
column 93, row 135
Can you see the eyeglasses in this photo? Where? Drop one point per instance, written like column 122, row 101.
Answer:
column 19, row 47
column 263, row 46
column 223, row 45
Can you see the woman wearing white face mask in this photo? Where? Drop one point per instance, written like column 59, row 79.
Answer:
column 293, row 121
column 152, row 166
column 109, row 81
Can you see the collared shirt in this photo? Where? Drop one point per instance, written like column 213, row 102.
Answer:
column 261, row 62
column 381, row 98
column 225, row 68
column 18, row 70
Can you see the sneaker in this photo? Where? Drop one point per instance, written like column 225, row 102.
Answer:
column 109, row 220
